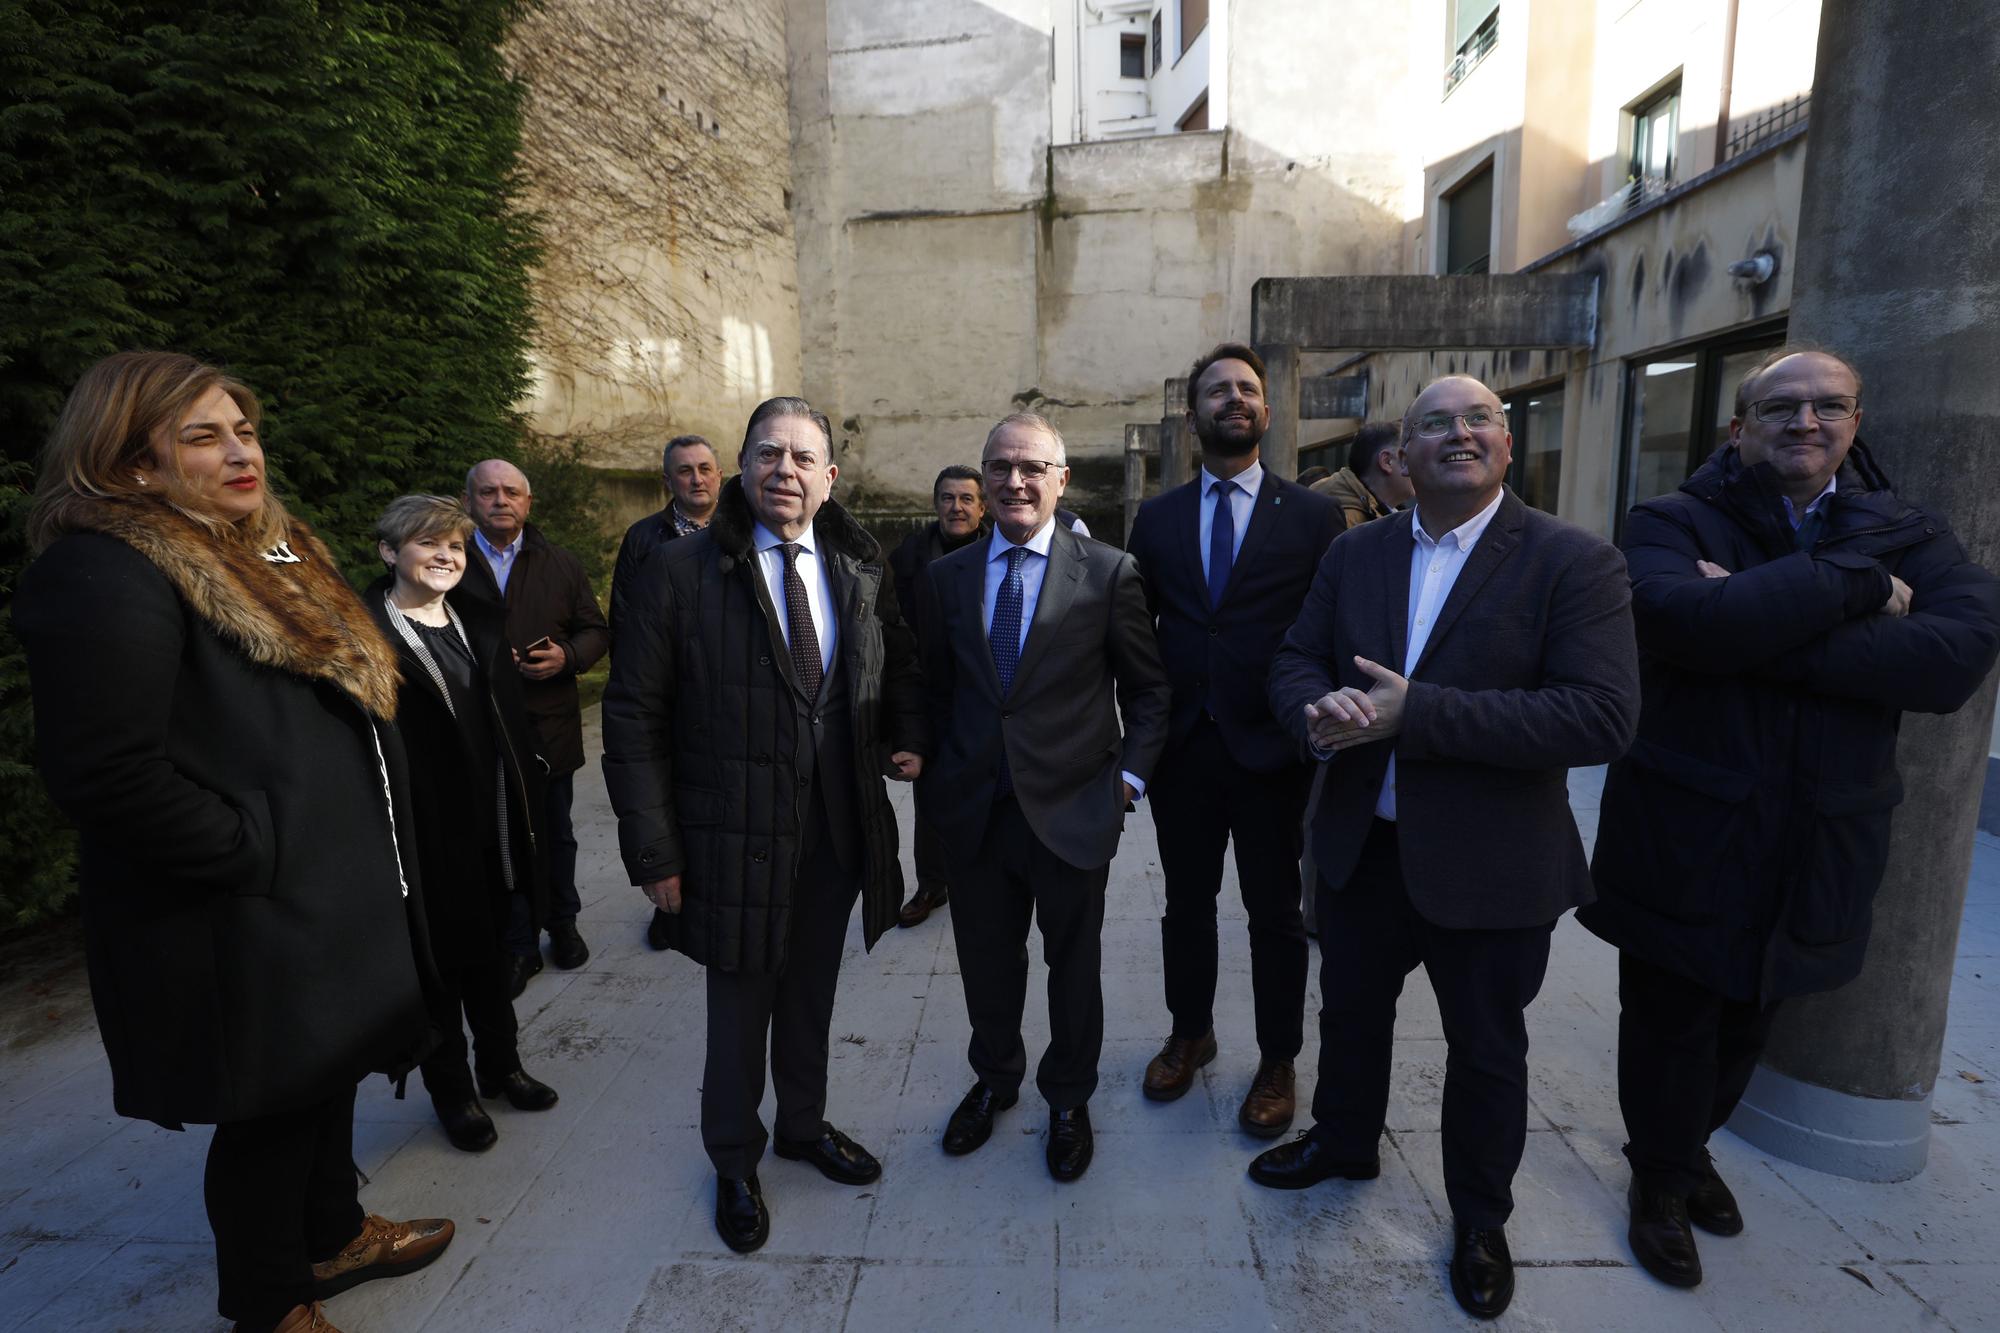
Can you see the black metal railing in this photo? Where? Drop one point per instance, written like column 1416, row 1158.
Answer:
column 1477, row 47
column 1767, row 124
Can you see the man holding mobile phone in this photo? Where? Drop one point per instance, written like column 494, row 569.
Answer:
column 558, row 632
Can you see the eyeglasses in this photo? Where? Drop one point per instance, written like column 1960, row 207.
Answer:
column 1437, row 425
column 1777, row 411
column 999, row 470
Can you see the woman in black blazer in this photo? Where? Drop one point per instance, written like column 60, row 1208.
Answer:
column 212, row 709
column 474, row 781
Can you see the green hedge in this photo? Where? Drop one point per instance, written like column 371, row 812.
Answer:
column 317, row 195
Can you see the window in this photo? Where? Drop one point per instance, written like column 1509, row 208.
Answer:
column 1197, row 115
column 1156, row 39
column 1656, row 129
column 1194, row 21
column 1536, row 420
column 1475, row 27
column 1468, row 224
column 1679, row 405
column 1132, row 56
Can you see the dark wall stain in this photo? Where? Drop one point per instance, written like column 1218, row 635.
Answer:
column 1689, row 277
column 1518, row 361
column 1638, row 283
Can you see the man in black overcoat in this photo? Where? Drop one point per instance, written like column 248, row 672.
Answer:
column 1227, row 559
column 1451, row 664
column 765, row 684
column 1790, row 606
column 1050, row 707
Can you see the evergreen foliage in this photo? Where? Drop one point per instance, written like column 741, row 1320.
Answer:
column 314, row 193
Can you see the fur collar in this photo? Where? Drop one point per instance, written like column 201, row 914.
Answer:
column 836, row 529
column 298, row 615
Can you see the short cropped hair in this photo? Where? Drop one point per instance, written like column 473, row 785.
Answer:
column 957, row 472
column 683, row 442
column 412, row 517
column 1226, row 352
column 786, row 407
column 1756, row 372
column 1370, row 441
column 1027, row 421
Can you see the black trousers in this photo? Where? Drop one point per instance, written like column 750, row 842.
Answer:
column 933, row 864
column 558, row 844
column 1009, row 879
column 281, row 1196
column 1685, row 1055
column 478, row 990
column 1370, row 937
column 1202, row 799
column 792, row 1008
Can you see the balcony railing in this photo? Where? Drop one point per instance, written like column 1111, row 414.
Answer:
column 1767, row 124
column 1477, row 47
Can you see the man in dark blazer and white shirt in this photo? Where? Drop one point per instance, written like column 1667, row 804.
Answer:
column 1227, row 559
column 1450, row 666
column 1035, row 644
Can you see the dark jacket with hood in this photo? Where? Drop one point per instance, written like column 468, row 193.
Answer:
column 217, row 723
column 707, row 733
column 457, row 775
column 547, row 594
column 1742, row 838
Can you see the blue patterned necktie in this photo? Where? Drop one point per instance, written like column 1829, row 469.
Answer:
column 1221, row 542
column 1005, row 640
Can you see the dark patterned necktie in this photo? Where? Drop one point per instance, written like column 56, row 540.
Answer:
column 799, row 631
column 1221, row 542
column 1005, row 641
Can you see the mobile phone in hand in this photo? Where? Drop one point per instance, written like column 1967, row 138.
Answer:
column 537, row 645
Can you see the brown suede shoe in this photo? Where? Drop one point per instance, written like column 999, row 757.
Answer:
column 1268, row 1107
column 922, row 903
column 1171, row 1072
column 383, row 1249
column 304, row 1319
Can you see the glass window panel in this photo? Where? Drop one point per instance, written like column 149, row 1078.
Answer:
column 1470, row 14
column 1468, row 221
column 1132, row 57
column 1538, row 456
column 1662, row 421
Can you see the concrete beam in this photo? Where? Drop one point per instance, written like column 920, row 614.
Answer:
column 1420, row 314
column 1176, row 451
column 1280, row 450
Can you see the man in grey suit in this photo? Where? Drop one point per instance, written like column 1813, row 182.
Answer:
column 1035, row 643
column 1449, row 666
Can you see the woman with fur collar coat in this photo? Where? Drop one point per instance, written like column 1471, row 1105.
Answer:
column 213, row 709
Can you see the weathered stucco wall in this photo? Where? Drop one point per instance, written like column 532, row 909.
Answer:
column 658, row 153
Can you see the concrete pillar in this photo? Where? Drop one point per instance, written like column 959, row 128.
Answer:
column 1140, row 440
column 1176, row 451
column 1895, row 272
column 1280, row 451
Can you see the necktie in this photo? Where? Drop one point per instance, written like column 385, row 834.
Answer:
column 804, row 639
column 1221, row 542
column 1005, row 641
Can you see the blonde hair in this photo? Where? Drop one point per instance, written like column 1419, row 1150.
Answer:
column 104, row 437
column 412, row 517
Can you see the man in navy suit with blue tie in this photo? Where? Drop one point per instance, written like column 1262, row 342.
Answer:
column 1044, row 678
column 1227, row 560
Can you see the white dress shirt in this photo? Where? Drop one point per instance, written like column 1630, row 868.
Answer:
column 1435, row 565
column 500, row 559
column 1242, row 505
column 1033, row 570
column 812, row 571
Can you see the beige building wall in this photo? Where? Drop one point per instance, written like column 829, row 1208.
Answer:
column 657, row 152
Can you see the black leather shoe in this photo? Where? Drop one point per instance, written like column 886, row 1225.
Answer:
column 1306, row 1161
column 1660, row 1237
column 927, row 899
column 1482, row 1271
column 1070, row 1144
column 660, row 931
column 466, row 1124
column 522, row 1093
column 839, row 1158
column 566, row 948
column 520, row 967
column 1710, row 1204
column 740, row 1216
column 972, row 1123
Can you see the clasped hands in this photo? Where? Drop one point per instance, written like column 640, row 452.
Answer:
column 1352, row 716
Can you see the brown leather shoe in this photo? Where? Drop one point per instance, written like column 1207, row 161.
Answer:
column 304, row 1319
column 383, row 1249
column 1171, row 1072
column 1268, row 1107
column 922, row 903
